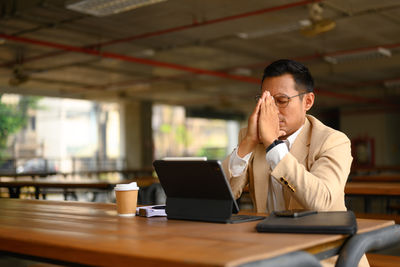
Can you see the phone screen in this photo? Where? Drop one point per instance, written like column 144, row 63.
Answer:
column 294, row 213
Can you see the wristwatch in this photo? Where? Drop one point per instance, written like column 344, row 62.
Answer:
column 275, row 143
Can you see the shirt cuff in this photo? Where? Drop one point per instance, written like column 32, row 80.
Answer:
column 237, row 165
column 275, row 155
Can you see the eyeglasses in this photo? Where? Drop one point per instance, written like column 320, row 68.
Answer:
column 281, row 100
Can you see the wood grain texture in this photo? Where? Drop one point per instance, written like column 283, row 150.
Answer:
column 92, row 233
column 376, row 178
column 380, row 260
column 377, row 216
column 373, row 188
column 59, row 184
column 91, row 184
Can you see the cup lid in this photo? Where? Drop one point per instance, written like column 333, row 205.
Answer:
column 125, row 187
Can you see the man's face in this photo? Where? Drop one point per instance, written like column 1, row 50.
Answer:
column 291, row 117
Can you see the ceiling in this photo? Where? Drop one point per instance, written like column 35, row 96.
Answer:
column 201, row 53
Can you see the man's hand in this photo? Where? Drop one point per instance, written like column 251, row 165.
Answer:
column 251, row 139
column 268, row 123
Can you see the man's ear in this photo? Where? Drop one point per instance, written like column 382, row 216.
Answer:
column 308, row 101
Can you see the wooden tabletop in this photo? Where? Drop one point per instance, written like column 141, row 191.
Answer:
column 60, row 184
column 373, row 188
column 375, row 169
column 376, row 178
column 141, row 181
column 92, row 233
column 136, row 172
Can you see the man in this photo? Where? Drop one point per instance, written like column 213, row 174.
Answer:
column 288, row 159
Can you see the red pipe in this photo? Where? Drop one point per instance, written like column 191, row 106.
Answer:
column 172, row 66
column 130, row 59
column 175, row 29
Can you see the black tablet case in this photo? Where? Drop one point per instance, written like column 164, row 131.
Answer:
column 196, row 190
column 330, row 222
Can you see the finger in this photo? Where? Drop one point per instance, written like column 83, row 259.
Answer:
column 274, row 106
column 257, row 108
column 281, row 133
column 264, row 95
column 262, row 107
column 267, row 95
column 257, row 105
column 270, row 98
column 271, row 103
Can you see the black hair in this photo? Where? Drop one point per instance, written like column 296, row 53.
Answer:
column 299, row 72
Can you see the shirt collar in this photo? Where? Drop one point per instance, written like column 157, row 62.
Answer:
column 290, row 140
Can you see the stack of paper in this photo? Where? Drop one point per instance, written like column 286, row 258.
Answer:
column 150, row 211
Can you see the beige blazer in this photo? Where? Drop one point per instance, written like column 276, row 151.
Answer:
column 313, row 173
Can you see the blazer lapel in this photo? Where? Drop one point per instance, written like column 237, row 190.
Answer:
column 301, row 145
column 299, row 150
column 261, row 171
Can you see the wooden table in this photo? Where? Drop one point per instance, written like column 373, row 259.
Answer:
column 93, row 234
column 126, row 173
column 367, row 190
column 373, row 188
column 375, row 169
column 376, row 178
column 14, row 187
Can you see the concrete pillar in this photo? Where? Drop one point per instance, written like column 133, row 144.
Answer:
column 147, row 134
column 136, row 134
column 101, row 117
column 233, row 129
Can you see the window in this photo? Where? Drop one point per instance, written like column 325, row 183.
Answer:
column 176, row 135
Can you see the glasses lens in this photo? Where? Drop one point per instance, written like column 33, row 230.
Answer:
column 281, row 100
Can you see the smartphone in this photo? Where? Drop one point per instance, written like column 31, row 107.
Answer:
column 294, row 213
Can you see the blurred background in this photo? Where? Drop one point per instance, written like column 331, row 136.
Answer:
column 94, row 89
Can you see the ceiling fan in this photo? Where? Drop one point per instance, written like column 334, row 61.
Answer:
column 316, row 24
column 309, row 27
column 18, row 76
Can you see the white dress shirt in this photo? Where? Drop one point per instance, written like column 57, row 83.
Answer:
column 237, row 166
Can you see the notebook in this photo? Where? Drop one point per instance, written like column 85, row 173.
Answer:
column 329, row 222
column 198, row 190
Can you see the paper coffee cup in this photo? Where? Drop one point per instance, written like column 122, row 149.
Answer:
column 126, row 195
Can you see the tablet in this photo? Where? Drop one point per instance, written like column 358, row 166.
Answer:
column 197, row 190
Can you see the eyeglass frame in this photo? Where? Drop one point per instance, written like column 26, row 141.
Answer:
column 257, row 97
